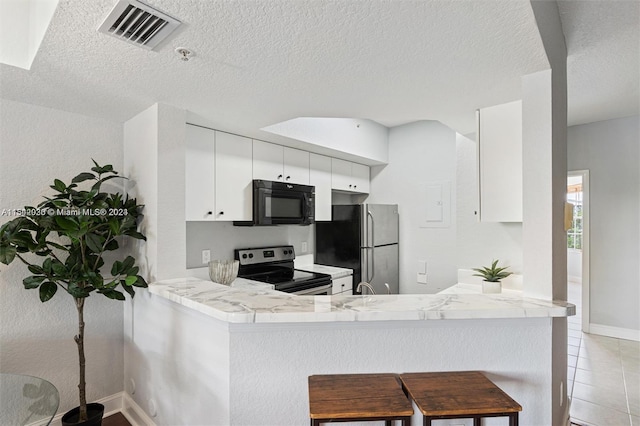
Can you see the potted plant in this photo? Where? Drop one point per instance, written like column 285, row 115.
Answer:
column 63, row 240
column 492, row 277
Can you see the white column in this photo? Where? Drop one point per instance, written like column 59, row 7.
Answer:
column 544, row 151
column 154, row 163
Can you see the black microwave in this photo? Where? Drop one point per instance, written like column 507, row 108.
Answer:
column 280, row 203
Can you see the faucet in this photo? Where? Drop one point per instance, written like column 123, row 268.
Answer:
column 367, row 285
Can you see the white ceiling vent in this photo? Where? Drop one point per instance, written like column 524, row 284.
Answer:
column 138, row 24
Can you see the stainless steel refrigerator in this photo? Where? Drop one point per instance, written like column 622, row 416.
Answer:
column 362, row 237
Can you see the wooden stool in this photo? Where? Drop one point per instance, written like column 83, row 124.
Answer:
column 459, row 395
column 358, row 397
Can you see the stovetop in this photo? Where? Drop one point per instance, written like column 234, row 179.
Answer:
column 274, row 265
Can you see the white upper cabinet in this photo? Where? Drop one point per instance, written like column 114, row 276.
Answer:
column 500, row 162
column 348, row 176
column 220, row 168
column 267, row 161
column 279, row 163
column 360, row 177
column 199, row 174
column 320, row 177
column 233, row 177
column 296, row 166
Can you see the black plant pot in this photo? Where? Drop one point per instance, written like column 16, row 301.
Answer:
column 95, row 412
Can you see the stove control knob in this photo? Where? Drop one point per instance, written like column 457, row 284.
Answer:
column 250, row 255
column 244, row 256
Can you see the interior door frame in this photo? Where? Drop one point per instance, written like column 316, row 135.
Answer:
column 584, row 174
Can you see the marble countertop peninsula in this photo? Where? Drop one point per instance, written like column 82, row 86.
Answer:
column 251, row 302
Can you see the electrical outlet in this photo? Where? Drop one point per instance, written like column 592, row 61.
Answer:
column 206, row 256
column 304, row 246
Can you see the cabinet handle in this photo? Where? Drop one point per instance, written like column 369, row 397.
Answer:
column 288, row 177
column 355, row 186
column 279, row 176
column 350, row 186
column 221, row 212
column 208, row 213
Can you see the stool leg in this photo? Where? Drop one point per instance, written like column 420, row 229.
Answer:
column 513, row 419
column 388, row 422
column 477, row 421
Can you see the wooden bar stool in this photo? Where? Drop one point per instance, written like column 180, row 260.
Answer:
column 358, row 397
column 459, row 395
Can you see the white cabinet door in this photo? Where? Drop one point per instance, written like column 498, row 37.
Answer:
column 342, row 286
column 340, row 174
column 233, row 179
column 500, row 162
column 320, row 177
column 296, row 166
column 199, row 189
column 348, row 176
column 360, row 177
column 267, row 161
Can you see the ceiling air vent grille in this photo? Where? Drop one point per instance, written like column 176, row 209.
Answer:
column 139, row 24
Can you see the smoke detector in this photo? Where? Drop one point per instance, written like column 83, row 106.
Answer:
column 138, row 24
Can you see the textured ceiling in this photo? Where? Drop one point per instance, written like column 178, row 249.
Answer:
column 262, row 62
column 603, row 64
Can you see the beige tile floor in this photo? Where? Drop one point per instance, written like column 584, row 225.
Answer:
column 603, row 375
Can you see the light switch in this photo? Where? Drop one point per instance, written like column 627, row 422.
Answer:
column 422, row 272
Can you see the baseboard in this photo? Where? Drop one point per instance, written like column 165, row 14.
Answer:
column 617, row 332
column 133, row 412
column 116, row 403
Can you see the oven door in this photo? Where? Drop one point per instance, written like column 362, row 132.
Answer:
column 277, row 203
column 315, row 291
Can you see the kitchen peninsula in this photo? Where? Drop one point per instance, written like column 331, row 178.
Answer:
column 247, row 350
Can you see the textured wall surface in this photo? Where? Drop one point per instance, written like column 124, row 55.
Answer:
column 40, row 144
column 420, row 154
column 610, row 151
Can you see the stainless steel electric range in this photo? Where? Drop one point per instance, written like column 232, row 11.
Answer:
column 274, row 265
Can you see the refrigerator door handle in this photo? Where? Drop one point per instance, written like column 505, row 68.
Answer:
column 372, row 245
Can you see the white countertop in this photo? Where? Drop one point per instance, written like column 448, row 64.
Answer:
column 464, row 288
column 334, row 271
column 250, row 302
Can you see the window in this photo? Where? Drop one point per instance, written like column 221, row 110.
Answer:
column 574, row 235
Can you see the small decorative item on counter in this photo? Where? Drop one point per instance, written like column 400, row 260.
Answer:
column 223, row 271
column 492, row 276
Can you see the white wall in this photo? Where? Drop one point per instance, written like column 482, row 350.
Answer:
column 38, row 145
column 420, row 154
column 359, row 140
column 609, row 150
column 574, row 265
column 222, row 238
column 479, row 243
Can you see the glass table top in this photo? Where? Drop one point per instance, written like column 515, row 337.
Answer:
column 26, row 400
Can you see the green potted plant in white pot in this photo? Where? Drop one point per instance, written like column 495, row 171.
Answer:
column 492, row 277
column 63, row 241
